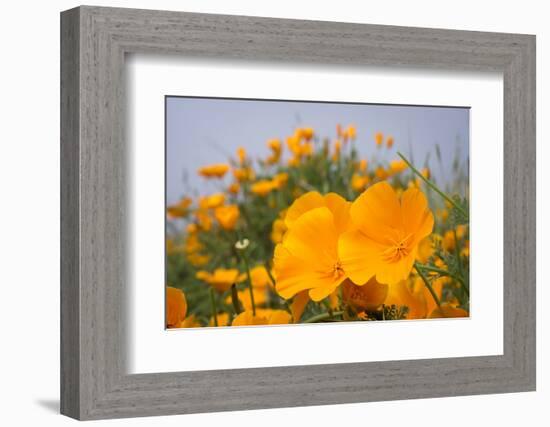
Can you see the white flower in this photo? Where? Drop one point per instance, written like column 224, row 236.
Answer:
column 242, row 244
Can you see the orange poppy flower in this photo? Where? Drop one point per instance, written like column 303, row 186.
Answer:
column 308, row 258
column 176, row 307
column 227, row 216
column 221, row 279
column 366, row 297
column 388, row 229
column 217, row 170
column 262, row 317
column 338, row 206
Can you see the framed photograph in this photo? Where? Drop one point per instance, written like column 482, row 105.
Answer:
column 262, row 213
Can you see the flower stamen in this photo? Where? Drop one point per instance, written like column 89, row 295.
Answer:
column 337, row 270
column 398, row 250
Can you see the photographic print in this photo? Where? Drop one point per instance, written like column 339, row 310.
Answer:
column 299, row 212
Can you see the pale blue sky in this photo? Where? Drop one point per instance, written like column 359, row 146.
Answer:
column 201, row 131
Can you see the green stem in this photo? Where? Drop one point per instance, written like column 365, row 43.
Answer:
column 213, row 307
column 442, row 272
column 235, row 300
column 433, row 186
column 249, row 281
column 326, row 303
column 266, row 265
column 323, row 316
column 427, row 283
column 306, row 186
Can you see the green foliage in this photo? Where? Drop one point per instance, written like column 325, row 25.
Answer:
column 458, row 214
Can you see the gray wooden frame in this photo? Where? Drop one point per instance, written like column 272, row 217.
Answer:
column 94, row 41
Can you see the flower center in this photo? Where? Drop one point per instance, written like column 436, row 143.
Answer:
column 398, row 249
column 337, row 270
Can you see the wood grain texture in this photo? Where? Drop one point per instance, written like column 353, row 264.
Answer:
column 70, row 290
column 94, row 382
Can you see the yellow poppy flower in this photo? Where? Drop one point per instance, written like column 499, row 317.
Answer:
column 447, row 311
column 190, row 322
column 299, row 303
column 306, row 149
column 247, row 318
column 192, row 228
column 425, row 250
column 338, row 206
column 204, row 221
column 419, row 288
column 425, row 172
column 217, row 170
column 308, row 258
column 198, row 260
column 440, row 264
column 337, row 149
column 442, row 214
column 378, row 138
column 351, row 132
column 387, row 232
column 259, row 277
column 400, row 294
column 180, row 209
column 280, row 180
column 244, row 174
column 303, row 133
column 223, row 320
column 293, row 144
column 192, row 244
column 465, row 251
column 260, row 282
column 397, row 166
column 449, row 242
column 276, row 150
column 176, row 307
column 381, row 173
column 461, row 231
column 227, row 216
column 359, row 182
column 260, row 298
column 415, row 295
column 221, row 279
column 307, row 133
column 275, row 145
column 363, row 165
column 294, row 161
column 234, row 188
column 275, row 317
column 263, row 317
column 212, row 202
column 241, row 155
column 278, row 229
column 389, row 142
column 262, row 187
column 369, row 296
